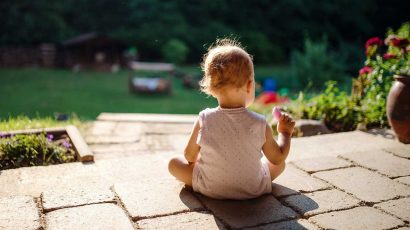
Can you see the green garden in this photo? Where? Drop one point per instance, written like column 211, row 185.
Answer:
column 336, row 74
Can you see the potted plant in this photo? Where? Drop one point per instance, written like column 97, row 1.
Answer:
column 386, row 61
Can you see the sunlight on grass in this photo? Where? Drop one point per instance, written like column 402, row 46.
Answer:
column 24, row 122
column 45, row 91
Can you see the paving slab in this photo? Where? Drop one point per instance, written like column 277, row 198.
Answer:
column 247, row 213
column 337, row 144
column 317, row 164
column 95, row 216
column 167, row 128
column 189, row 220
column 399, row 208
column 156, row 142
column 364, row 184
column 108, row 139
column 404, row 180
column 69, row 197
column 299, row 224
column 356, row 218
column 321, row 201
column 34, row 180
column 401, row 151
column 19, row 212
column 382, row 162
column 115, row 151
column 148, row 117
column 102, row 127
column 178, row 142
column 120, row 154
column 133, row 169
column 8, row 178
column 156, row 197
column 136, row 147
column 403, row 228
column 126, row 129
column 293, row 181
column 147, row 144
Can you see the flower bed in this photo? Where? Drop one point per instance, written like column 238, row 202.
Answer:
column 42, row 147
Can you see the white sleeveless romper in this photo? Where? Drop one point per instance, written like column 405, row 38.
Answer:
column 230, row 165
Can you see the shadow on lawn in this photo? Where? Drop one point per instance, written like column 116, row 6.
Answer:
column 254, row 212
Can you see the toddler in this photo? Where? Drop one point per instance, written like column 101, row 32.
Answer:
column 223, row 158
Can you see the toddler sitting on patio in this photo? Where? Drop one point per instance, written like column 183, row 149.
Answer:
column 223, row 158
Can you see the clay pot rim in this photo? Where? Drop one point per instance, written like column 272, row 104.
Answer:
column 402, row 78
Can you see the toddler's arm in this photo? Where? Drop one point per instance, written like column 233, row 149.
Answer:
column 192, row 149
column 276, row 153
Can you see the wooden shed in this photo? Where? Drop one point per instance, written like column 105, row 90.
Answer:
column 93, row 51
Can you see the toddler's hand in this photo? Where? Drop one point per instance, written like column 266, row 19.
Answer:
column 286, row 124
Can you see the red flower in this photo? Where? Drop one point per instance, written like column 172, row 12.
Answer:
column 371, row 46
column 374, row 41
column 399, row 42
column 365, row 70
column 389, row 56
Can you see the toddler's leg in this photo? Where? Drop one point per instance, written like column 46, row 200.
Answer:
column 181, row 169
column 275, row 170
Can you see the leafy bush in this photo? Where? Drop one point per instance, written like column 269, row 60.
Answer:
column 372, row 96
column 342, row 112
column 316, row 65
column 375, row 79
column 334, row 107
column 33, row 149
column 367, row 104
column 175, row 51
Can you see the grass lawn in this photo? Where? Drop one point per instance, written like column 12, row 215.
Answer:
column 41, row 92
column 44, row 91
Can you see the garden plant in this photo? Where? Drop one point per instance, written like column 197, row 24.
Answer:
column 24, row 150
column 367, row 103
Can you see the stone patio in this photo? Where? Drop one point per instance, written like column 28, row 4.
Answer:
column 352, row 180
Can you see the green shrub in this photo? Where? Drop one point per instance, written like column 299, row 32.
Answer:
column 375, row 79
column 33, row 149
column 373, row 98
column 334, row 107
column 367, row 103
column 316, row 65
column 343, row 112
column 175, row 51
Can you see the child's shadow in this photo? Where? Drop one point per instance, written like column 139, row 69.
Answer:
column 247, row 213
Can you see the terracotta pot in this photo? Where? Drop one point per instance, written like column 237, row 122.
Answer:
column 398, row 108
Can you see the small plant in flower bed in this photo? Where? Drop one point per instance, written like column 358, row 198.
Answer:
column 24, row 150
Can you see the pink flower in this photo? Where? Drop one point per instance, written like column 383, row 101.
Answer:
column 374, row 41
column 371, row 45
column 66, row 144
column 365, row 70
column 389, row 56
column 399, row 42
column 50, row 137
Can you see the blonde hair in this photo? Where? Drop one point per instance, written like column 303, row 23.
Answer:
column 226, row 64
